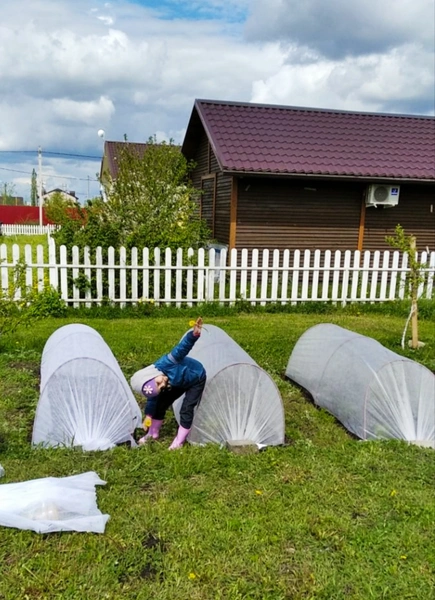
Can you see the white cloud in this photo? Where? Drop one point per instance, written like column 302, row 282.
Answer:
column 106, row 20
column 70, row 68
column 83, row 112
column 393, row 82
column 338, row 28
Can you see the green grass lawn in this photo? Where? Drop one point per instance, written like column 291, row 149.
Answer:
column 323, row 517
column 22, row 240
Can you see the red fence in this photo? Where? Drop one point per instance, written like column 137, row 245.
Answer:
column 23, row 215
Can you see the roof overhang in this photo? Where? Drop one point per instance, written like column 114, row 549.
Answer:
column 324, row 176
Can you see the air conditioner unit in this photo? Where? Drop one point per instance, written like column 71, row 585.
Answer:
column 379, row 194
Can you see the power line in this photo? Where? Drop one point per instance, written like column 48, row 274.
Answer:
column 46, row 152
column 51, row 176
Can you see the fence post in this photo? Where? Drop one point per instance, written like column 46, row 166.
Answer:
column 264, row 276
column 284, row 279
column 111, row 264
column 4, row 270
column 87, row 262
column 145, row 274
column 75, row 274
column 306, row 275
column 189, row 278
column 275, row 276
column 254, row 276
column 28, row 260
column 295, row 278
column 179, row 277
column 15, row 261
column 233, row 276
column 53, row 273
column 326, row 275
column 168, row 276
column 122, row 275
column 134, row 273
column 315, row 278
column 210, row 275
column 157, row 275
column 430, row 275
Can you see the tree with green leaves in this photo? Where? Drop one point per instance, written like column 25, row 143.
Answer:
column 8, row 194
column 151, row 203
column 33, row 189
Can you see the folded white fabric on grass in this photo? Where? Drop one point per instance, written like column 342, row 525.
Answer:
column 53, row 504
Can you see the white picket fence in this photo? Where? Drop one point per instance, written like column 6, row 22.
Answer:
column 196, row 276
column 27, row 229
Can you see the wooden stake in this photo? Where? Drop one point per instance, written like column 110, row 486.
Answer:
column 414, row 293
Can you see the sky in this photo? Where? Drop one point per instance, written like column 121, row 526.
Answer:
column 134, row 68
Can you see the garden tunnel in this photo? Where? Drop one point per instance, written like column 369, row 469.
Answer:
column 374, row 392
column 85, row 399
column 241, row 402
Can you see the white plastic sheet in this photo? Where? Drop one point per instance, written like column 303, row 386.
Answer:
column 53, row 504
column 374, row 392
column 85, row 399
column 240, row 400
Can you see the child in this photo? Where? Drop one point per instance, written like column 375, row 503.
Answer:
column 166, row 380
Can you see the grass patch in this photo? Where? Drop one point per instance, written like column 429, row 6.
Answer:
column 323, row 517
column 23, row 240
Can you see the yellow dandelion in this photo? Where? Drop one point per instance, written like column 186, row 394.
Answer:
column 258, row 492
column 393, row 492
column 192, row 575
column 192, row 323
column 403, row 557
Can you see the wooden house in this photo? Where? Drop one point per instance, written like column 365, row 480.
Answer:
column 305, row 178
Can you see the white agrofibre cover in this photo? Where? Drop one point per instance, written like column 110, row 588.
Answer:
column 374, row 392
column 240, row 400
column 53, row 504
column 85, row 399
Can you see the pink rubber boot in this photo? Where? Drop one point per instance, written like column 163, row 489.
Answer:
column 180, row 438
column 153, row 432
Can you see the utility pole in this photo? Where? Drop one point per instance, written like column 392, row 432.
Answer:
column 40, row 184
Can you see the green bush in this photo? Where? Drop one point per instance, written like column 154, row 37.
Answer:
column 47, row 303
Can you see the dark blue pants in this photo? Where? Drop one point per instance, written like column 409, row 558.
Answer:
column 191, row 399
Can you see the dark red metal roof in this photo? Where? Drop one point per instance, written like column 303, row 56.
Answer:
column 112, row 150
column 285, row 140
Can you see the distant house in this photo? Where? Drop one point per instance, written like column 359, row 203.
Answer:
column 110, row 161
column 287, row 177
column 66, row 195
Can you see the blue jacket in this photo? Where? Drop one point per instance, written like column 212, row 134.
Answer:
column 181, row 370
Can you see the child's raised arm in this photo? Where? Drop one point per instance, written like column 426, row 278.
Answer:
column 186, row 344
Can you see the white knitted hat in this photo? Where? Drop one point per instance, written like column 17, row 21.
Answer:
column 142, row 376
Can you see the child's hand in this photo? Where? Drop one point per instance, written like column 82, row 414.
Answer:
column 197, row 327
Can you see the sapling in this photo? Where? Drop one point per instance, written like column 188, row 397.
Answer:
column 408, row 244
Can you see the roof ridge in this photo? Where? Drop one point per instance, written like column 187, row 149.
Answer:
column 310, row 109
